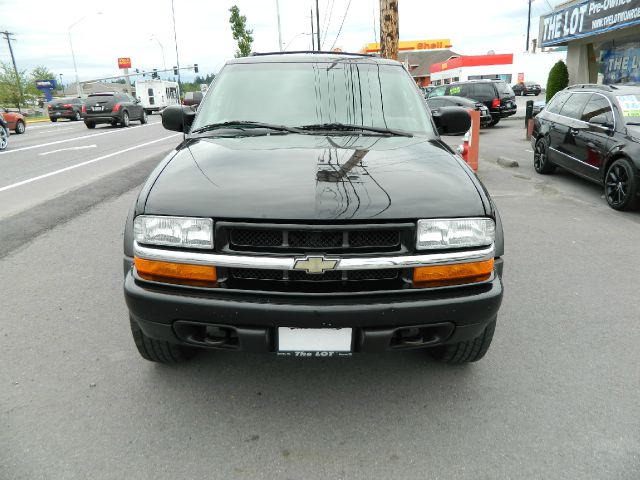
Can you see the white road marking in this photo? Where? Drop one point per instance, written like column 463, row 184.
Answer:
column 81, row 147
column 55, row 129
column 57, row 142
column 530, row 151
column 82, row 164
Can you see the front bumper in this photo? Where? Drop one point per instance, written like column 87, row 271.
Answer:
column 181, row 315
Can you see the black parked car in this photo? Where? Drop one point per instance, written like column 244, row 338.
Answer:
column 305, row 225
column 113, row 108
column 527, row 88
column 495, row 94
column 192, row 99
column 452, row 101
column 70, row 108
column 594, row 132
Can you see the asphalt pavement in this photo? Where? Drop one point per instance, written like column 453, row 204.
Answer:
column 556, row 397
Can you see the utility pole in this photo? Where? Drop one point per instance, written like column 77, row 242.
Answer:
column 389, row 29
column 313, row 45
column 7, row 36
column 528, row 25
column 279, row 31
column 318, row 25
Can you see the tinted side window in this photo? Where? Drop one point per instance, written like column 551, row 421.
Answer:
column 435, row 103
column 483, row 92
column 557, row 102
column 575, row 104
column 597, row 105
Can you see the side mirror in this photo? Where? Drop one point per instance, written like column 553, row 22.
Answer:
column 452, row 120
column 178, row 118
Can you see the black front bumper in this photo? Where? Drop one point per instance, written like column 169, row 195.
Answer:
column 444, row 315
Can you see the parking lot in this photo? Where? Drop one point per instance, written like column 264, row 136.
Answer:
column 556, row 397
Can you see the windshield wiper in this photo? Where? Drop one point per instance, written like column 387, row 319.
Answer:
column 345, row 127
column 243, row 125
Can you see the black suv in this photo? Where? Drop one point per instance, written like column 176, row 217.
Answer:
column 323, row 218
column 113, row 108
column 70, row 108
column 527, row 88
column 594, row 132
column 496, row 95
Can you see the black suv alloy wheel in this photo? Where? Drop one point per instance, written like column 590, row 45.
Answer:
column 541, row 160
column 620, row 186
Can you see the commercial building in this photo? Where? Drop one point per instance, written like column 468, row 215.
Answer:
column 509, row 67
column 602, row 39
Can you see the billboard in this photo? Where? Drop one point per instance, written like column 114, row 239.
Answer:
column 621, row 64
column 412, row 45
column 586, row 18
column 124, row 62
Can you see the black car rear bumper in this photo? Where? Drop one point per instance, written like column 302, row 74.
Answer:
column 443, row 315
column 103, row 118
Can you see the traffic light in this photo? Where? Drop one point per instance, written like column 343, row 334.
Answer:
column 155, row 73
column 175, row 70
column 195, row 68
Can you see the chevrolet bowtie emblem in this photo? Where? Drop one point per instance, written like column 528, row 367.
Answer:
column 315, row 265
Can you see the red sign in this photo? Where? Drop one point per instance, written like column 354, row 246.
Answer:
column 521, row 77
column 124, row 62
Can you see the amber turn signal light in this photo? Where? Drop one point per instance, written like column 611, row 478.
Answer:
column 180, row 273
column 460, row 273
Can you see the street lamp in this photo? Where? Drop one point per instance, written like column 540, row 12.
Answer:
column 61, row 85
column 164, row 63
column 73, row 55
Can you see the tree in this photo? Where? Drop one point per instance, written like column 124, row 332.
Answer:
column 240, row 33
column 38, row 73
column 558, row 79
column 9, row 91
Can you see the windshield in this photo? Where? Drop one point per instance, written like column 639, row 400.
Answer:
column 630, row 108
column 504, row 88
column 299, row 94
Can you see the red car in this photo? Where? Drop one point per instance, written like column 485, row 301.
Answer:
column 15, row 121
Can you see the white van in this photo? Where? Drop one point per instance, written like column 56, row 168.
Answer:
column 156, row 95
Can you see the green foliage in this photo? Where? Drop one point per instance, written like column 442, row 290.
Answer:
column 9, row 91
column 240, row 33
column 558, row 79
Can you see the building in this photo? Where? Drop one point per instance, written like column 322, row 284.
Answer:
column 602, row 39
column 419, row 63
column 71, row 90
column 418, row 56
column 509, row 67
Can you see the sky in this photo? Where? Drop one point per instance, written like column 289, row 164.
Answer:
column 143, row 29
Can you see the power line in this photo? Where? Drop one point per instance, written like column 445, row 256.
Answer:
column 326, row 25
column 340, row 30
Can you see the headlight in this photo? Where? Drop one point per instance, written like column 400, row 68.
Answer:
column 455, row 233
column 182, row 232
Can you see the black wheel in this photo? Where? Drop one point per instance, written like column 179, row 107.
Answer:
column 494, row 121
column 125, row 119
column 158, row 350
column 53, row 119
column 621, row 186
column 143, row 118
column 4, row 138
column 90, row 124
column 77, row 117
column 541, row 161
column 465, row 352
column 20, row 127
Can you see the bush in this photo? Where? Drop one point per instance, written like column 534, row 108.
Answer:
column 558, row 79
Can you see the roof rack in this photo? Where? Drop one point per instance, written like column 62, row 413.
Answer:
column 260, row 54
column 597, row 86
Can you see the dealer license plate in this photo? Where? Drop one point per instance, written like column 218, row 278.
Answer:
column 314, row 339
column 97, row 109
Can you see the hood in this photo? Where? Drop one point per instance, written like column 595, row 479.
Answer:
column 314, row 178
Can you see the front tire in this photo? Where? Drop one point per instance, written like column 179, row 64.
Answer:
column 125, row 119
column 4, row 138
column 20, row 127
column 621, row 186
column 541, row 162
column 143, row 118
column 465, row 352
column 157, row 350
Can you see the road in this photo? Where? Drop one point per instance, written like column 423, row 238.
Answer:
column 556, row 397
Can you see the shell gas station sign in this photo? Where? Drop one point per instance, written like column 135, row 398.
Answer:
column 432, row 44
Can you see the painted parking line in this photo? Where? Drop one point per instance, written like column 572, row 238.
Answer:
column 82, row 164
column 80, row 147
column 74, row 139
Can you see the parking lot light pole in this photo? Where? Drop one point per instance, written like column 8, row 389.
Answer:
column 73, row 55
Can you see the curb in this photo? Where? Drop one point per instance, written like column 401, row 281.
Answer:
column 36, row 120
